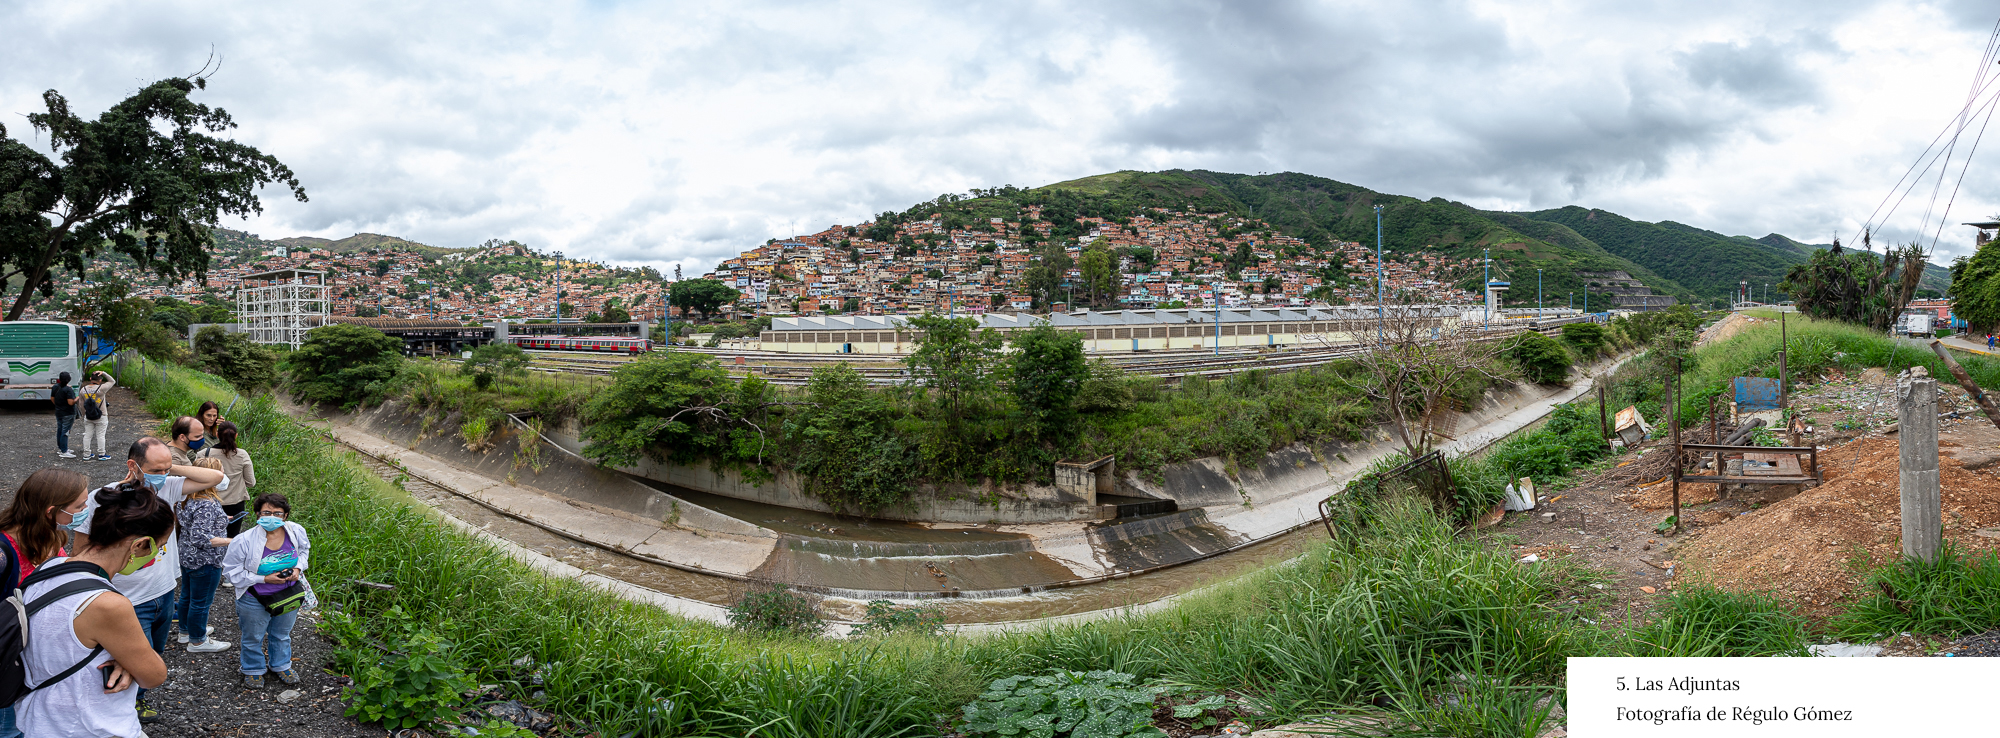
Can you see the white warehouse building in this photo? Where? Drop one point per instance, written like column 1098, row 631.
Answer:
column 1111, row 331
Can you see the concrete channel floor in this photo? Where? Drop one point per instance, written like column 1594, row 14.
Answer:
column 204, row 694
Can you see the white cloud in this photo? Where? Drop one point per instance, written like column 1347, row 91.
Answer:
column 684, row 132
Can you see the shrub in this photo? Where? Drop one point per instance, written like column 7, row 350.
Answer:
column 494, row 360
column 1952, row 595
column 232, row 356
column 1049, row 372
column 345, row 364
column 416, row 684
column 844, row 446
column 1540, row 358
column 885, row 617
column 1590, row 339
column 776, row 609
column 1097, row 704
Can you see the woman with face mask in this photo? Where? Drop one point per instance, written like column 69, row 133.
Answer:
column 267, row 564
column 85, row 647
column 46, row 509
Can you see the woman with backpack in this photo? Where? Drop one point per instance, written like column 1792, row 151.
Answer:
column 267, row 565
column 63, row 397
column 48, row 506
column 96, row 404
column 85, row 647
column 236, row 465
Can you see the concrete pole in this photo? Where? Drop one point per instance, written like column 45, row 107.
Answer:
column 1917, row 443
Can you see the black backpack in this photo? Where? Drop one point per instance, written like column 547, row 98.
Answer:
column 14, row 615
column 91, row 410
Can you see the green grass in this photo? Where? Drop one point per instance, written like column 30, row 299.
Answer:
column 1405, row 609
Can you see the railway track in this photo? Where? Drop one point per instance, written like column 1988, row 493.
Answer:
column 797, row 369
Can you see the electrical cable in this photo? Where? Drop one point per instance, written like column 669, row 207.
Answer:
column 1983, row 81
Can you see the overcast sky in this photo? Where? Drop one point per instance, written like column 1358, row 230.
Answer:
column 665, row 133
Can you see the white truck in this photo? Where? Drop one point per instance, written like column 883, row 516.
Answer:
column 1915, row 323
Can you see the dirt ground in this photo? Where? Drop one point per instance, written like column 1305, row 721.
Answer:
column 1805, row 548
column 204, row 694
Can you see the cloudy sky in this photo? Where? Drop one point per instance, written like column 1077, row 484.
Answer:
column 665, row 133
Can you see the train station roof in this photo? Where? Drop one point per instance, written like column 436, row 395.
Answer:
column 1116, row 318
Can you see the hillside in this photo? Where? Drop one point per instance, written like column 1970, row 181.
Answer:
column 1318, row 210
column 1707, row 262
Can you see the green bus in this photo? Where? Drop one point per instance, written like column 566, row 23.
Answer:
column 35, row 351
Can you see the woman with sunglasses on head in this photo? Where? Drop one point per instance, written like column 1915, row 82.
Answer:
column 267, row 565
column 86, row 648
column 48, row 506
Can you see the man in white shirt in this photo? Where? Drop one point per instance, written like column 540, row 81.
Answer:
column 151, row 463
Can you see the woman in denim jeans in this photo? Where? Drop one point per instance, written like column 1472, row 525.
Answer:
column 265, row 560
column 202, row 523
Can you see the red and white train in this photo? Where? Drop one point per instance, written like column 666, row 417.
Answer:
column 598, row 344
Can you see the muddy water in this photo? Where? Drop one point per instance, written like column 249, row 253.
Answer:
column 822, row 529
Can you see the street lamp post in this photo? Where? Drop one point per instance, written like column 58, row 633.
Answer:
column 1380, row 314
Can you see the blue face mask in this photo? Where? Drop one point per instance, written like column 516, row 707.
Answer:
column 76, row 520
column 195, row 444
column 155, row 481
column 270, row 523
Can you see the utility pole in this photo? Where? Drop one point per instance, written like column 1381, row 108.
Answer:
column 1487, row 289
column 1538, row 294
column 1917, row 456
column 1217, row 287
column 1380, row 314
column 559, row 291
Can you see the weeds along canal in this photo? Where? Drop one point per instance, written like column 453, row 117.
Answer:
column 895, row 537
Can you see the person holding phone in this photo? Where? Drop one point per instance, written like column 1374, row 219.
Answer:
column 268, row 564
column 87, row 649
column 202, row 524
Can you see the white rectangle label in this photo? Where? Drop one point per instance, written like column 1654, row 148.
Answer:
column 1771, row 697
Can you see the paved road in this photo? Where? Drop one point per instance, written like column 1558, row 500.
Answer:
column 1968, row 346
column 204, row 695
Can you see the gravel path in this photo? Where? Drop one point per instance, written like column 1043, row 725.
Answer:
column 204, row 694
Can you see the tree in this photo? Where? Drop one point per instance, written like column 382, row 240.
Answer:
column 232, row 356
column 126, row 321
column 704, row 296
column 1975, row 288
column 1048, row 372
column 678, row 408
column 1588, row 338
column 1418, row 361
column 954, row 360
column 1854, row 287
column 494, row 360
column 144, row 179
column 1328, row 294
column 1100, row 275
column 345, row 363
column 844, row 445
column 613, row 313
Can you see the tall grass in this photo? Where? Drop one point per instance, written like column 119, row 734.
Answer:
column 1953, row 595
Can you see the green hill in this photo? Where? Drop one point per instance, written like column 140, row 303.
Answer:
column 1320, row 210
column 1707, row 262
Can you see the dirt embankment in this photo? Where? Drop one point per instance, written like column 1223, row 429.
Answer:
column 1811, row 549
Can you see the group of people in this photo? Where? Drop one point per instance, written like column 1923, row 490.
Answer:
column 107, row 576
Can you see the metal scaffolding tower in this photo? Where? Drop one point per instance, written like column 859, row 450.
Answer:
column 279, row 307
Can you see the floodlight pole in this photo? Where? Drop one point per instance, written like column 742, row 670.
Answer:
column 1538, row 294
column 1217, row 289
column 1380, row 314
column 1486, row 286
column 558, row 292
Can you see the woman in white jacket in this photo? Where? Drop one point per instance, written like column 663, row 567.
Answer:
column 267, row 565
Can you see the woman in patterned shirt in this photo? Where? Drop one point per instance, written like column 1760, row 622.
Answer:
column 203, row 525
